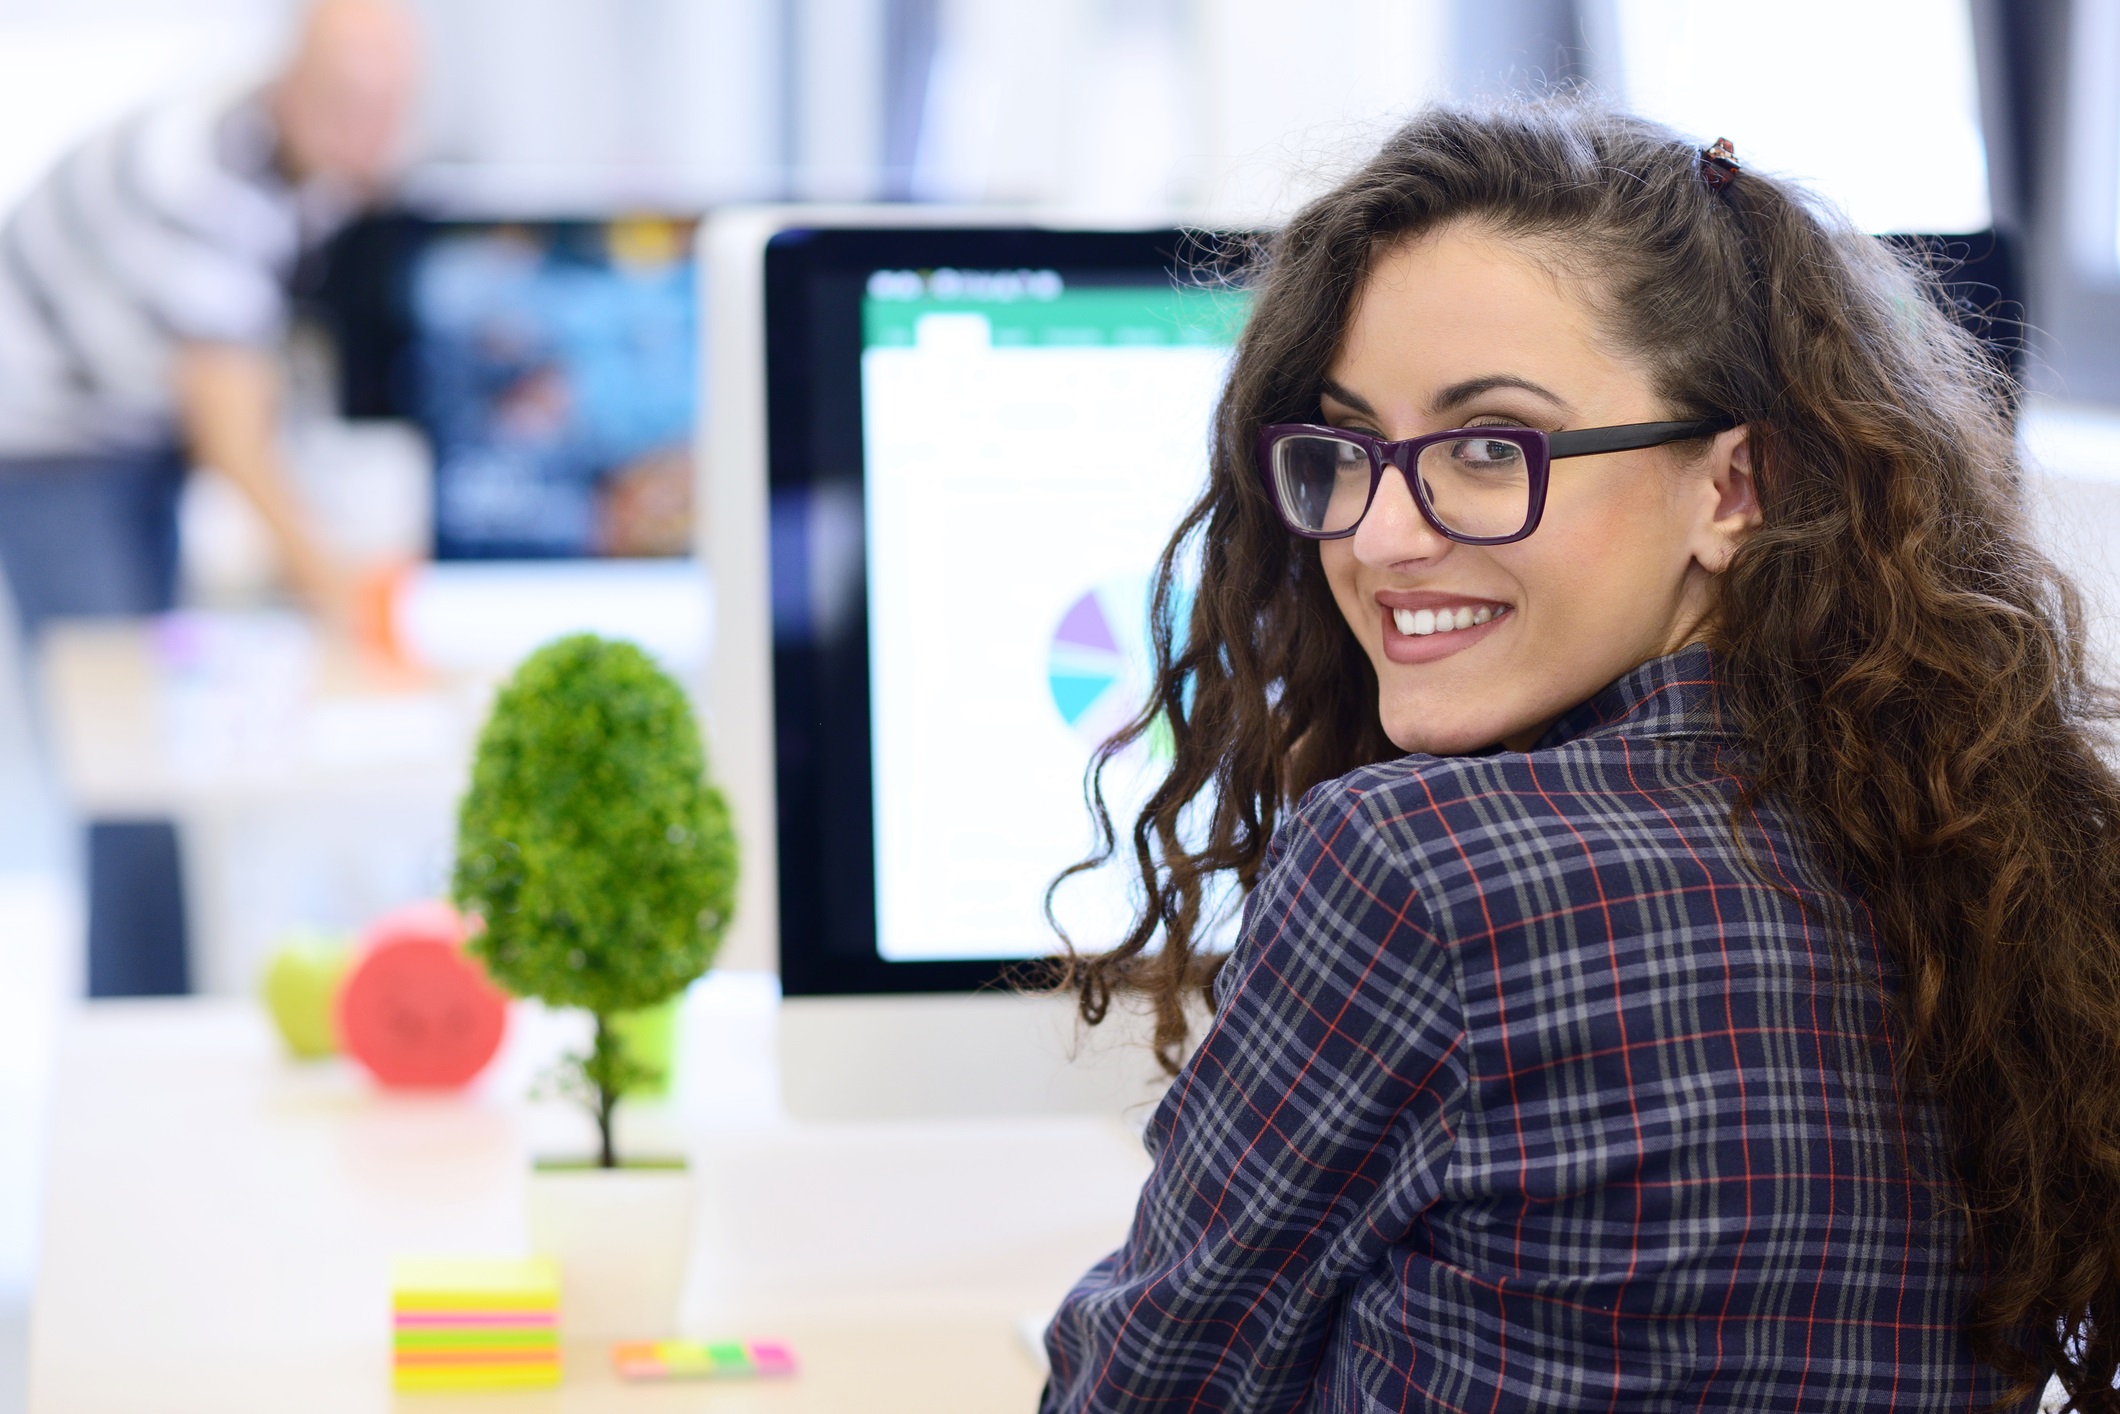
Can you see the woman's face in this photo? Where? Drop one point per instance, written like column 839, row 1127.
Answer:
column 1462, row 329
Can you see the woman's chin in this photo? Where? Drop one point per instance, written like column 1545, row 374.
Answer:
column 1419, row 732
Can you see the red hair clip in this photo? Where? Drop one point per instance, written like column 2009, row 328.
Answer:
column 1718, row 165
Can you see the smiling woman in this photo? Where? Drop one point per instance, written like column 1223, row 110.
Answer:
column 1680, row 965
column 1456, row 329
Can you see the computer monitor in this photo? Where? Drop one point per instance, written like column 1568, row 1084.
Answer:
column 551, row 366
column 933, row 522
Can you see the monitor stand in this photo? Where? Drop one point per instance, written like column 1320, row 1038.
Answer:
column 981, row 1053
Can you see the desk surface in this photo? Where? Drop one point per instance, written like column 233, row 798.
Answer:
column 218, row 1224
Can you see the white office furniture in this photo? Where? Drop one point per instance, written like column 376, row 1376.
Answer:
column 219, row 1223
column 315, row 784
column 309, row 787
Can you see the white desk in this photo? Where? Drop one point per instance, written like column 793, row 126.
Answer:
column 218, row 1224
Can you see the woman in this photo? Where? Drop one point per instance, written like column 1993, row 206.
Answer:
column 1680, row 966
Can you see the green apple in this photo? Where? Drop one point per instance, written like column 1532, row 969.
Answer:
column 301, row 988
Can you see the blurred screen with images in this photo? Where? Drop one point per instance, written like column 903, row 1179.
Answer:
column 554, row 371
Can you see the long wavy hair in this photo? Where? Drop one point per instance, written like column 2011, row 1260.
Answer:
column 1906, row 671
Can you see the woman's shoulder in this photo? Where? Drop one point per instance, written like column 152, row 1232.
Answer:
column 1439, row 817
column 1420, row 792
column 1405, row 814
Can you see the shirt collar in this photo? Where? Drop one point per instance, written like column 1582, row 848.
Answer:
column 1671, row 696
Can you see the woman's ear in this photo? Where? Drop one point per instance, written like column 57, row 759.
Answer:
column 1730, row 501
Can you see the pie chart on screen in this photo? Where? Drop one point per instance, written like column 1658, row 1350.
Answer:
column 1098, row 668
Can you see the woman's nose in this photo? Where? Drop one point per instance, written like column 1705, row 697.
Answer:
column 1393, row 530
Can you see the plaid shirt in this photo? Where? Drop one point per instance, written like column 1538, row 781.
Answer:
column 1527, row 1089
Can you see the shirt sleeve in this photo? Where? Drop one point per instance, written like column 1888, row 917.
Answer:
column 203, row 247
column 1306, row 1135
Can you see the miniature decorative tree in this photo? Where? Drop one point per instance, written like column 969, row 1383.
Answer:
column 593, row 849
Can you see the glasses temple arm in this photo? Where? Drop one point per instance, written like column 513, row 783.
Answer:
column 1633, row 436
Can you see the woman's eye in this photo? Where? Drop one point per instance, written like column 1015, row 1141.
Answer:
column 1486, row 452
column 1349, row 459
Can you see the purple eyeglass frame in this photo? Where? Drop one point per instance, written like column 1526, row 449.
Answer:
column 1540, row 449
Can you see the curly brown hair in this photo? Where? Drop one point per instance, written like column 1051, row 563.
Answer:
column 1906, row 670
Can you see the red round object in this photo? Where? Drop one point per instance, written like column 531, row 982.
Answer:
column 418, row 1013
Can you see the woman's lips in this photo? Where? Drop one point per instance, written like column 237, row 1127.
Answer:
column 1415, row 624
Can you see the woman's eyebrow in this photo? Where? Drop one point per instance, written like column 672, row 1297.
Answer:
column 1353, row 402
column 1458, row 394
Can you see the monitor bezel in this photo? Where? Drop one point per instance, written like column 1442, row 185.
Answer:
column 822, row 766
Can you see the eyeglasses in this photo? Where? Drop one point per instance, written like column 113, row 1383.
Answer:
column 1475, row 485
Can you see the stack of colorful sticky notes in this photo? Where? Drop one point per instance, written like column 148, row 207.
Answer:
column 701, row 1359
column 474, row 1323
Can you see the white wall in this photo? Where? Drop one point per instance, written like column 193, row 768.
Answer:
column 1288, row 103
column 69, row 66
column 1235, row 107
column 1874, row 104
column 1129, row 109
column 528, row 103
column 41, row 937
column 836, row 137
column 585, row 104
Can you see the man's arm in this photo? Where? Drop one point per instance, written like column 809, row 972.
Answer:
column 228, row 403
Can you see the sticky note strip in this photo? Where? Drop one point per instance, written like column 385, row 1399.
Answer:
column 702, row 1360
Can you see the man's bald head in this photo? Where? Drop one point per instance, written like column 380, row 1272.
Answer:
column 345, row 97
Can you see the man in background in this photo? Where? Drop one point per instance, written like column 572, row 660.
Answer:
column 144, row 292
column 144, row 288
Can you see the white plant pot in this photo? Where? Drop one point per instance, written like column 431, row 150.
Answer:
column 622, row 1238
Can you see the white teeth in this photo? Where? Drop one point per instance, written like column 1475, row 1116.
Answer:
column 1419, row 623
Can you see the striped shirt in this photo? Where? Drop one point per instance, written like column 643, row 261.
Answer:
column 173, row 227
column 1529, row 1088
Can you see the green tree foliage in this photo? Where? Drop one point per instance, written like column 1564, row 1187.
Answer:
column 592, row 846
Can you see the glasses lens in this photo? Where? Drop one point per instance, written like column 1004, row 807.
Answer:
column 1477, row 486
column 1322, row 482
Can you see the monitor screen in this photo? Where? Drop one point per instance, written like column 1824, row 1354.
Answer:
column 553, row 367
column 980, row 443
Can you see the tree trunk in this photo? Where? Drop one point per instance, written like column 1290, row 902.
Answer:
column 601, row 1076
column 606, row 1157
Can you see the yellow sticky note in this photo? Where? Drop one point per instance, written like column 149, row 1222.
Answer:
column 474, row 1284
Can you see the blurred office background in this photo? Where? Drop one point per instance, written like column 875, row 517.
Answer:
column 1993, row 120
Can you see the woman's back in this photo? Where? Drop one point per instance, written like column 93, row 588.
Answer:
column 1529, row 1087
